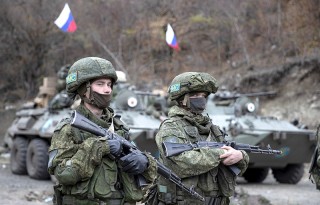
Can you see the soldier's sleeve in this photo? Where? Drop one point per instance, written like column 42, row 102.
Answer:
column 243, row 164
column 151, row 172
column 188, row 163
column 71, row 162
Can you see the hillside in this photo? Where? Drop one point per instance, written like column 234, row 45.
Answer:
column 248, row 45
column 296, row 83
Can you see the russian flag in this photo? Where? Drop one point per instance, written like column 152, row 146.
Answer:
column 171, row 38
column 65, row 21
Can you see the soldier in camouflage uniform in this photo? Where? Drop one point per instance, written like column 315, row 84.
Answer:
column 61, row 100
column 204, row 168
column 314, row 169
column 90, row 169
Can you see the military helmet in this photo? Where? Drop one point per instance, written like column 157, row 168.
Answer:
column 192, row 82
column 87, row 69
column 62, row 74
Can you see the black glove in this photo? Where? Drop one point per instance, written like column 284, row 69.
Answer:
column 134, row 163
column 115, row 147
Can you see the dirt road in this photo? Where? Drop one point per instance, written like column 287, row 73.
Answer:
column 21, row 190
column 283, row 194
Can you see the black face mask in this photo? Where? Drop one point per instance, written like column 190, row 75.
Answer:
column 101, row 101
column 197, row 105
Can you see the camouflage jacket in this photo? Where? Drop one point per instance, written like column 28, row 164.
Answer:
column 314, row 170
column 200, row 168
column 83, row 167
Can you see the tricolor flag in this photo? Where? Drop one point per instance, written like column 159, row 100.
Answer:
column 65, row 21
column 171, row 38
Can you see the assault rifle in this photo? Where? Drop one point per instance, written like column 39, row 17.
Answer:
column 81, row 122
column 173, row 149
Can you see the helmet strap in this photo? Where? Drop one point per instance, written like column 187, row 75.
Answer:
column 186, row 100
column 83, row 89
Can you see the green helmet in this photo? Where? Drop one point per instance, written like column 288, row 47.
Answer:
column 87, row 69
column 62, row 74
column 192, row 82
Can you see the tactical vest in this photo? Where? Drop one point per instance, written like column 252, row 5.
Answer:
column 107, row 182
column 219, row 181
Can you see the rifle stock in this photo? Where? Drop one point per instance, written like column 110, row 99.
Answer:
column 81, row 122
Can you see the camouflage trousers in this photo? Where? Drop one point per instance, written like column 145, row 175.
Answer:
column 208, row 201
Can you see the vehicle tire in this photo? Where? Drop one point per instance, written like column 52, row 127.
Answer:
column 291, row 174
column 18, row 156
column 255, row 175
column 37, row 159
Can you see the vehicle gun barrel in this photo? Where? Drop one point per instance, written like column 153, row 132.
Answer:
column 231, row 95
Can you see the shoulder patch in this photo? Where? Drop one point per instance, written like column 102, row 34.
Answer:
column 62, row 123
column 175, row 87
column 72, row 77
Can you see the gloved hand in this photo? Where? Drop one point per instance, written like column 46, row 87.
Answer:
column 134, row 163
column 115, row 147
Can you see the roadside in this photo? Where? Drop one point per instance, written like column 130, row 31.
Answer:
column 283, row 194
column 20, row 189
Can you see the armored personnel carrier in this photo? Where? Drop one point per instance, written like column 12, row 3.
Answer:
column 29, row 135
column 29, row 138
column 237, row 115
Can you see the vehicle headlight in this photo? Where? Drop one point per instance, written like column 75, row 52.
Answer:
column 251, row 107
column 132, row 102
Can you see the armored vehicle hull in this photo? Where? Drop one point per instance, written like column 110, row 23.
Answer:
column 29, row 138
column 132, row 106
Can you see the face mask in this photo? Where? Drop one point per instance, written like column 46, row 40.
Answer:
column 101, row 101
column 197, row 105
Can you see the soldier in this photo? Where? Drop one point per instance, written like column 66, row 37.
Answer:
column 204, row 168
column 88, row 168
column 314, row 169
column 61, row 100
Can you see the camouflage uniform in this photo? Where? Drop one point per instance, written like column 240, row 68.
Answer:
column 315, row 163
column 81, row 162
column 201, row 168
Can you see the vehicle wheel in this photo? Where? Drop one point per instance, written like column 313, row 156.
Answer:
column 37, row 159
column 255, row 175
column 18, row 156
column 291, row 174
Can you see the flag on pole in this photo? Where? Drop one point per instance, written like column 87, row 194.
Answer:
column 171, row 38
column 65, row 21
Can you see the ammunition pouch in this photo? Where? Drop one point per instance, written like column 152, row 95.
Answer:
column 57, row 196
column 226, row 181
